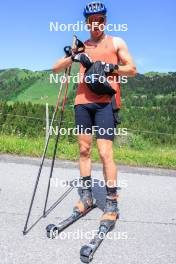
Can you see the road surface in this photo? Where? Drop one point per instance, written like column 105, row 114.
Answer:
column 144, row 234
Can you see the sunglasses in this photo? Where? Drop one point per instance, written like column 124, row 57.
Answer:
column 96, row 19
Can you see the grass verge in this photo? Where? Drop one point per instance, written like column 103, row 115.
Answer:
column 149, row 156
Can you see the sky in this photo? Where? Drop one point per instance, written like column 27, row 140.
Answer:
column 27, row 42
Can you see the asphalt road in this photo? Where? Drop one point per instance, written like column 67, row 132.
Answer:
column 144, row 234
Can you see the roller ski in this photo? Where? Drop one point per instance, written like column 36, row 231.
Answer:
column 83, row 207
column 107, row 224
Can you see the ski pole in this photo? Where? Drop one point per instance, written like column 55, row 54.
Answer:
column 43, row 158
column 57, row 139
column 45, row 149
column 74, row 43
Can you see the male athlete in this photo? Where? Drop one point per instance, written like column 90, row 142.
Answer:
column 93, row 109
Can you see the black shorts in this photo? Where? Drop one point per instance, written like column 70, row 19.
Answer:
column 96, row 118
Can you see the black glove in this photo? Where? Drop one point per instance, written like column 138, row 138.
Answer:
column 109, row 67
column 68, row 51
column 79, row 48
column 84, row 59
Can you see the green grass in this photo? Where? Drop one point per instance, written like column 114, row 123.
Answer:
column 39, row 93
column 148, row 156
column 42, row 91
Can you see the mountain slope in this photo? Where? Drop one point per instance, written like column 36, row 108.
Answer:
column 28, row 86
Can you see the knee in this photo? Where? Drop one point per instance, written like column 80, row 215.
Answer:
column 105, row 156
column 84, row 152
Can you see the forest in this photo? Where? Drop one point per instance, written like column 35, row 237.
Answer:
column 148, row 105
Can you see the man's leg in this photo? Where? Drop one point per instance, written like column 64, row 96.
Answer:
column 86, row 200
column 85, row 142
column 83, row 119
column 105, row 120
column 111, row 211
column 106, row 156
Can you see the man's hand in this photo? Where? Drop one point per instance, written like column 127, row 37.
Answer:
column 78, row 48
column 68, row 51
column 84, row 59
column 110, row 68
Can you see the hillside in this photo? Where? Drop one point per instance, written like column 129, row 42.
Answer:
column 148, row 106
column 28, row 86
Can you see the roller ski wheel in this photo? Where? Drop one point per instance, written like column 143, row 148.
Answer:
column 52, row 231
column 86, row 254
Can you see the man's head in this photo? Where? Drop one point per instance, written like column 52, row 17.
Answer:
column 95, row 15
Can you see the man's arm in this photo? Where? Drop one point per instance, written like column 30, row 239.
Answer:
column 128, row 68
column 62, row 64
